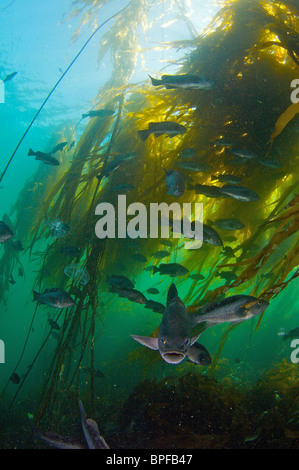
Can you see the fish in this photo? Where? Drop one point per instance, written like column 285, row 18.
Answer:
column 120, row 282
column 187, row 153
column 229, row 224
column 270, row 163
column 71, row 145
column 206, row 190
column 59, row 147
column 123, row 188
column 44, row 157
column 292, row 334
column 53, row 324
column 186, row 82
column 229, row 276
column 240, row 193
column 54, row 297
column 166, row 243
column 5, row 232
column 17, row 245
column 174, row 337
column 197, row 277
column 156, row 307
column 244, row 153
column 210, row 236
column 21, row 271
column 11, row 280
column 161, row 254
column 223, row 143
column 98, row 113
column 171, row 269
column 9, row 77
column 15, row 378
column 70, row 250
column 194, row 166
column 131, row 294
column 171, row 129
column 174, row 183
column 228, row 179
column 153, row 291
column 198, row 354
column 139, row 258
column 234, row 309
column 96, row 372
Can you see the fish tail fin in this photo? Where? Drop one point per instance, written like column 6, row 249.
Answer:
column 35, row 296
column 155, row 270
column 31, row 153
column 172, row 293
column 155, row 81
column 143, row 134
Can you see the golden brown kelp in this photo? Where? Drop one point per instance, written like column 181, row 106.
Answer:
column 251, row 90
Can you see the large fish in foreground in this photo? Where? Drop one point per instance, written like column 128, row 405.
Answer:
column 174, row 339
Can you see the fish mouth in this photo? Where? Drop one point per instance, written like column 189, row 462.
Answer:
column 173, row 357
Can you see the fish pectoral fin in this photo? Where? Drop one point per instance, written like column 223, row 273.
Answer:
column 147, row 341
column 194, row 339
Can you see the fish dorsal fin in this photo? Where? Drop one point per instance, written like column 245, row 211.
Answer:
column 172, row 294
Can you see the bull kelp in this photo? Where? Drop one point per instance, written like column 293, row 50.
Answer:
column 213, row 124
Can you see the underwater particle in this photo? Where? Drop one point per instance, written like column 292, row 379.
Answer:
column 98, row 113
column 171, row 129
column 198, row 354
column 240, row 193
column 44, row 157
column 153, row 291
column 30, row 416
column 54, row 297
column 171, row 269
column 5, row 232
column 15, row 378
column 120, row 282
column 186, row 81
column 58, row 228
column 77, row 274
column 174, row 183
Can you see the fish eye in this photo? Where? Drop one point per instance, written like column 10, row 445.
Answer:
column 187, row 342
column 163, row 340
